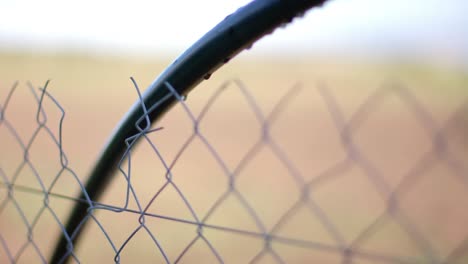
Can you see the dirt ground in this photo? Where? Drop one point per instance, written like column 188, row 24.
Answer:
column 364, row 162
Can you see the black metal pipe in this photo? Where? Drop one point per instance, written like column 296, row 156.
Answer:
column 235, row 33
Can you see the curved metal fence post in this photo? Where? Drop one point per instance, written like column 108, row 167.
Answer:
column 235, row 33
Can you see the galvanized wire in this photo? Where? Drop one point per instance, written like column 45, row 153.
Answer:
column 305, row 193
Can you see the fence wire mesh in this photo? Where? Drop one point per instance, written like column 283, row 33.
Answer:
column 307, row 178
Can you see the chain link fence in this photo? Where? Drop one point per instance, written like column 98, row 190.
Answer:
column 316, row 175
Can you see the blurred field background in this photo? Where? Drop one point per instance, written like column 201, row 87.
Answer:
column 95, row 91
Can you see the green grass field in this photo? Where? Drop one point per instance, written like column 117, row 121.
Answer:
column 96, row 92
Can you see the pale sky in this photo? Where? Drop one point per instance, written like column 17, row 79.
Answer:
column 408, row 27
